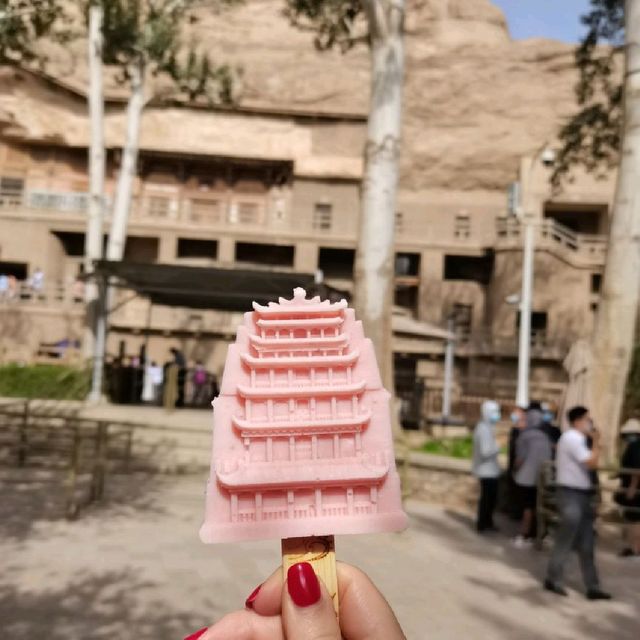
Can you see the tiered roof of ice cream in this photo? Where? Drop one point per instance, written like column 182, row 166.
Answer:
column 302, row 438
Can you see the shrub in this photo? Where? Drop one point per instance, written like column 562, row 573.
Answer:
column 50, row 381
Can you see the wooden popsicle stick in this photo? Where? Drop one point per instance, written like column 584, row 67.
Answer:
column 320, row 553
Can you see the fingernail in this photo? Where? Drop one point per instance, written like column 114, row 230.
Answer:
column 197, row 634
column 251, row 599
column 303, row 584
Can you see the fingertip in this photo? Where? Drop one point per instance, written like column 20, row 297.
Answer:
column 266, row 599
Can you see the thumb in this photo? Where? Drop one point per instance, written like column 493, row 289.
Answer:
column 307, row 610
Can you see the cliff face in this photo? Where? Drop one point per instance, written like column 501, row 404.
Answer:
column 475, row 101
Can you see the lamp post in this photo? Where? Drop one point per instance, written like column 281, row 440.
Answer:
column 524, row 338
column 547, row 156
column 449, row 355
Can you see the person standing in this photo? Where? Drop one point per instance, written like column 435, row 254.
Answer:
column 518, row 423
column 485, row 464
column 533, row 449
column 200, row 380
column 628, row 496
column 575, row 497
column 181, row 364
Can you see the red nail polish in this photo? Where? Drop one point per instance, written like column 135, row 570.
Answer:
column 303, row 584
column 251, row 599
column 197, row 634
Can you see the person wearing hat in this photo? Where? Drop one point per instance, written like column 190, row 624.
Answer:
column 629, row 494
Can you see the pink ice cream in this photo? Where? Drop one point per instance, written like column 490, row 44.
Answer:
column 302, row 439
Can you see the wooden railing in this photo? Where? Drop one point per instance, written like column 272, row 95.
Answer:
column 84, row 450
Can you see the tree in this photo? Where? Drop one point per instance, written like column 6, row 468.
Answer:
column 23, row 23
column 379, row 23
column 591, row 137
column 144, row 40
column 93, row 237
column 608, row 129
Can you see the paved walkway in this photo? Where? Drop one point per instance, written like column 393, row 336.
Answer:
column 134, row 569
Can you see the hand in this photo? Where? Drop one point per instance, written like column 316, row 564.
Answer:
column 630, row 493
column 595, row 436
column 301, row 609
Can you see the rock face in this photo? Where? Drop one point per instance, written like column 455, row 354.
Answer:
column 475, row 101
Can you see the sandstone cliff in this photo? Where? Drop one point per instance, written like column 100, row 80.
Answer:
column 475, row 100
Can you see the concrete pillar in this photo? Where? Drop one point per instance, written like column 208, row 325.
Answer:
column 431, row 277
column 306, row 257
column 167, row 248
column 226, row 250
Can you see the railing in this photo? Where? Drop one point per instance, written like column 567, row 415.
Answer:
column 83, row 450
column 550, row 234
column 487, row 343
column 266, row 213
column 51, row 294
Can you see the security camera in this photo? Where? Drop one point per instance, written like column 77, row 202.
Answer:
column 548, row 157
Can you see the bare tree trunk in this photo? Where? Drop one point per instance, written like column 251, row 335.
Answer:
column 119, row 221
column 93, row 237
column 614, row 335
column 374, row 268
column 128, row 165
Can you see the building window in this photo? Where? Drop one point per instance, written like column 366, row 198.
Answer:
column 462, row 316
column 158, row 207
column 322, row 216
column 336, row 263
column 469, row 268
column 203, row 211
column 245, row 213
column 141, row 249
column 265, row 254
column 407, row 296
column 539, row 321
column 72, row 243
column 596, row 283
column 407, row 264
column 462, row 227
column 197, row 248
column 11, row 190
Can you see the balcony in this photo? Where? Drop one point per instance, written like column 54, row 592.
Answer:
column 579, row 249
column 259, row 213
column 485, row 343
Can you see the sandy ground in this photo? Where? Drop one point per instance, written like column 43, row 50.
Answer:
column 133, row 568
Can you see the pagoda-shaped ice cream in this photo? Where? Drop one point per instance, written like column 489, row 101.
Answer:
column 302, row 439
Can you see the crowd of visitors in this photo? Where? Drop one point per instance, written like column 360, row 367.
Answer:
column 534, row 442
column 174, row 384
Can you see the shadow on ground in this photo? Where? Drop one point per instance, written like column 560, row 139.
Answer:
column 31, row 495
column 100, row 607
column 623, row 623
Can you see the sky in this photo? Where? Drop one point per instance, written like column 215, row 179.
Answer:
column 557, row 19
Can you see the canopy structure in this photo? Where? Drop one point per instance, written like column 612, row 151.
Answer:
column 207, row 287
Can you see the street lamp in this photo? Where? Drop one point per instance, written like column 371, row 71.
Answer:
column 547, row 156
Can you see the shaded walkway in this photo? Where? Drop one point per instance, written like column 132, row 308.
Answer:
column 134, row 569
